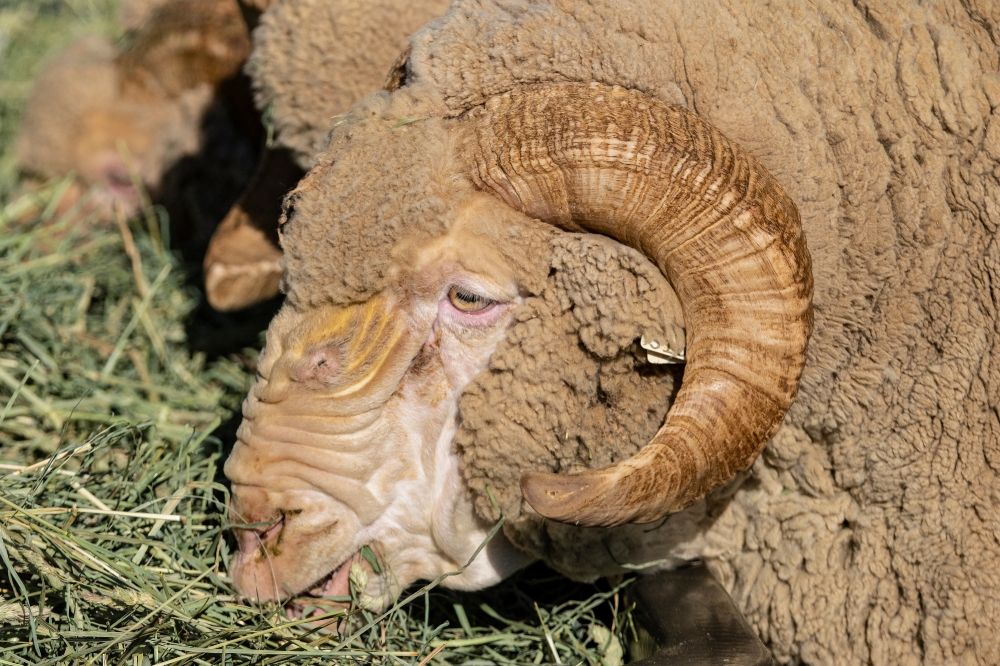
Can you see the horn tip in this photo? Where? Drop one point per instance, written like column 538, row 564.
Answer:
column 569, row 498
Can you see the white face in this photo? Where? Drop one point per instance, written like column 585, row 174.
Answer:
column 347, row 432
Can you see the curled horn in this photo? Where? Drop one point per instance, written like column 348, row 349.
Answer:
column 654, row 176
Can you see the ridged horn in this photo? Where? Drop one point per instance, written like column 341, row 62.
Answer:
column 656, row 177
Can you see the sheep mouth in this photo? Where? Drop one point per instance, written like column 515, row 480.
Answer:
column 330, row 593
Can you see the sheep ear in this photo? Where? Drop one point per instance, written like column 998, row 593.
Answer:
column 185, row 43
column 243, row 261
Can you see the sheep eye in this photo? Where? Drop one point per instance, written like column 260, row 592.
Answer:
column 467, row 301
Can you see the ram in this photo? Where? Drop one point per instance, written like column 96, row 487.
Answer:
column 459, row 325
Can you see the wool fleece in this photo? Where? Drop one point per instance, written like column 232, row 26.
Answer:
column 313, row 59
column 866, row 533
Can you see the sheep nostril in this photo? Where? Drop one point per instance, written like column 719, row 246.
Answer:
column 322, row 366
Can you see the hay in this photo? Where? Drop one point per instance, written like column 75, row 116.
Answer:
column 112, row 511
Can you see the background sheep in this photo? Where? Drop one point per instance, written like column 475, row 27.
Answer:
column 164, row 97
column 133, row 13
column 864, row 532
column 167, row 97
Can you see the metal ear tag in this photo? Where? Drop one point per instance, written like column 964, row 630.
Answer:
column 659, row 353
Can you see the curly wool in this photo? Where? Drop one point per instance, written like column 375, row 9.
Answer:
column 302, row 83
column 570, row 389
column 338, row 242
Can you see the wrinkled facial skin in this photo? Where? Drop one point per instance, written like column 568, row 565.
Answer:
column 347, row 433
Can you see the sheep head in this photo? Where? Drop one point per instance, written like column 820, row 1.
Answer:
column 453, row 266
column 115, row 117
column 347, row 432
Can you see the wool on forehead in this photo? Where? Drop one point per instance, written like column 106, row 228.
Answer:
column 387, row 179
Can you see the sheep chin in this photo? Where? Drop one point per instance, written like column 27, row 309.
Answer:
column 416, row 514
